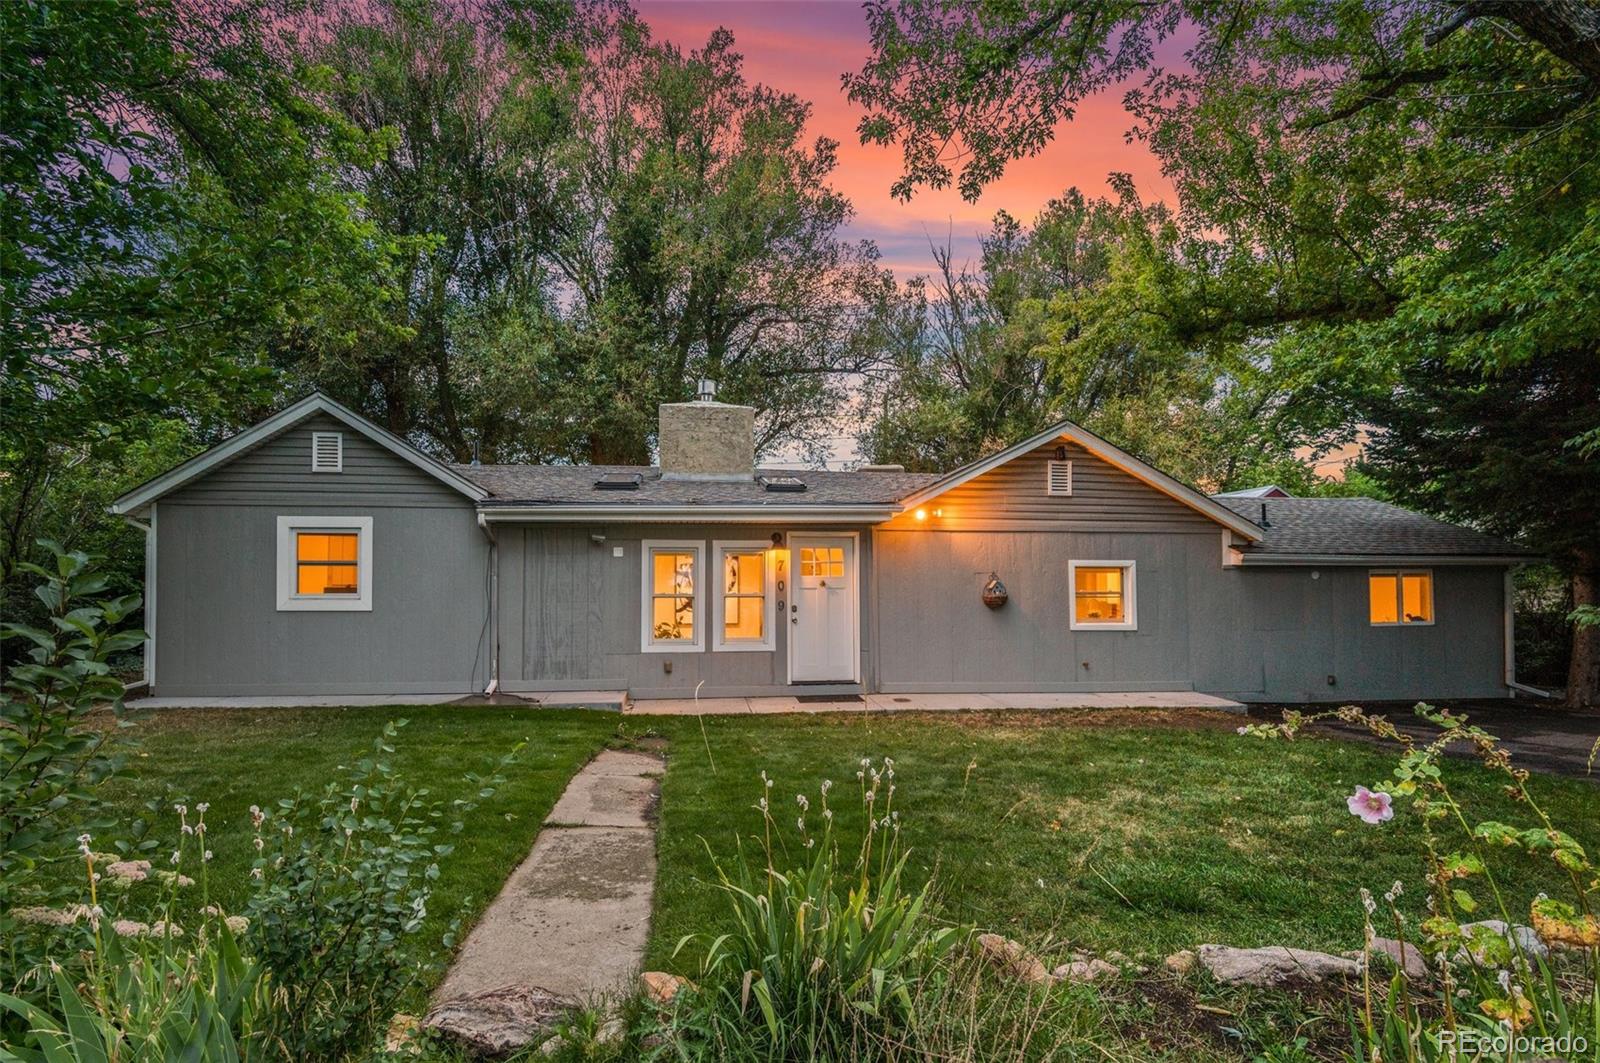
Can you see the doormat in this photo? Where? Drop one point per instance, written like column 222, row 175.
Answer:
column 821, row 699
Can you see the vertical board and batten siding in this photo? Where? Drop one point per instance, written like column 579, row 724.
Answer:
column 220, row 632
column 1246, row 633
column 570, row 615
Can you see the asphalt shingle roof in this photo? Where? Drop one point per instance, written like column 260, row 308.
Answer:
column 574, row 485
column 1359, row 526
column 1331, row 526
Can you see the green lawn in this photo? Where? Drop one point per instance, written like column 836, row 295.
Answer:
column 1114, row 831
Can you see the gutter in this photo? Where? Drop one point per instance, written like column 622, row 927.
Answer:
column 717, row 514
column 494, row 607
column 1511, row 641
column 149, row 529
column 1381, row 560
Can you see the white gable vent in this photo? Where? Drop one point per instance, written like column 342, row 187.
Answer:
column 1058, row 478
column 327, row 452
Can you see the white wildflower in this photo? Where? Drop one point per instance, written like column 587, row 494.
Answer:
column 203, row 807
column 803, row 802
column 1367, row 902
column 207, row 856
column 83, row 845
column 827, row 784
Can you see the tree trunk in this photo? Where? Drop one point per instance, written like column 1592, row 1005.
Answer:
column 1583, row 675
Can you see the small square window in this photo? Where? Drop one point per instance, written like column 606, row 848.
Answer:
column 325, row 564
column 1397, row 599
column 1102, row 596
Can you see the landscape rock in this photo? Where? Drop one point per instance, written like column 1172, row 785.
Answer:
column 1090, row 970
column 1522, row 938
column 1013, row 959
column 610, row 1031
column 1180, row 962
column 402, row 1033
column 660, row 987
column 1403, row 955
column 498, row 1022
column 1274, row 966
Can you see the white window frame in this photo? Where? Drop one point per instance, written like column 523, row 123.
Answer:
column 338, row 446
column 1050, row 477
column 1130, row 596
column 1400, row 575
column 648, row 643
column 767, row 643
column 289, row 600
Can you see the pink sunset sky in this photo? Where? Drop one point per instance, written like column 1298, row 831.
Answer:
column 803, row 46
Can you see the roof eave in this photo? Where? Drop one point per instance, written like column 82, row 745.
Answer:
column 1384, row 560
column 755, row 513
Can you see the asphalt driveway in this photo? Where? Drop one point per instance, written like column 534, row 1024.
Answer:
column 1540, row 738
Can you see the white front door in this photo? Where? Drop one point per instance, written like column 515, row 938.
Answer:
column 823, row 611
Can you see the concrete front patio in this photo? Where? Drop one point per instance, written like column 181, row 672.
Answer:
column 618, row 701
column 874, row 703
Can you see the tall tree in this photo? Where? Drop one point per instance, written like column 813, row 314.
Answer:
column 171, row 198
column 1370, row 193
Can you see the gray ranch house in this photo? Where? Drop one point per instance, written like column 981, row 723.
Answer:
column 317, row 554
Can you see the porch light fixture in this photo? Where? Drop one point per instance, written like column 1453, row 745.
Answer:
column 994, row 592
column 921, row 514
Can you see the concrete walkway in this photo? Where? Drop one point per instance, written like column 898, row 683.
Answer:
column 880, row 703
column 573, row 919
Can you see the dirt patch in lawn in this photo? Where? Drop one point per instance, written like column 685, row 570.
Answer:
column 999, row 722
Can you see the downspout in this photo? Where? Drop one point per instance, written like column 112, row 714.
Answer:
column 1511, row 638
column 494, row 607
column 149, row 679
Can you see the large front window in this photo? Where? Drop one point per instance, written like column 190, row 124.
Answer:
column 672, row 605
column 1102, row 595
column 744, row 618
column 324, row 564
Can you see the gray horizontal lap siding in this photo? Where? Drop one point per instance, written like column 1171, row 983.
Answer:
column 570, row 615
column 219, row 631
column 1253, row 634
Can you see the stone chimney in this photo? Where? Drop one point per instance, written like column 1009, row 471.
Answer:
column 707, row 439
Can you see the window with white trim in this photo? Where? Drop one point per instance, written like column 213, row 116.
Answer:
column 325, row 564
column 1103, row 596
column 1400, row 597
column 674, row 600
column 327, row 452
column 743, row 604
column 1058, row 477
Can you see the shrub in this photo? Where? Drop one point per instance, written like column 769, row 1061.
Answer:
column 343, row 881
column 136, row 989
column 826, row 959
column 52, row 761
column 1485, row 986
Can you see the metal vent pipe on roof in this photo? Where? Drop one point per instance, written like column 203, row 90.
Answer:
column 706, row 390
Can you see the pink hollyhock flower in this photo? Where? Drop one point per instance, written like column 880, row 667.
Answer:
column 1372, row 807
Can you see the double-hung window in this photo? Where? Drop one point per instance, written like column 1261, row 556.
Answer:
column 1102, row 596
column 1400, row 597
column 743, row 603
column 325, row 564
column 674, row 599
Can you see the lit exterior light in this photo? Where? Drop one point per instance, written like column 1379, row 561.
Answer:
column 921, row 514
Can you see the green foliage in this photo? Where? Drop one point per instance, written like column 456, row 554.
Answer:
column 52, row 763
column 343, row 880
column 173, row 205
column 824, row 958
column 1485, row 983
column 159, row 1000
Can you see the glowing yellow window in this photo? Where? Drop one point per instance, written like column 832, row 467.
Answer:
column 327, row 563
column 744, row 598
column 1400, row 597
column 672, row 597
column 1102, row 594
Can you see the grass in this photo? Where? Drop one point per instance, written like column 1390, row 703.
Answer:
column 1138, row 831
